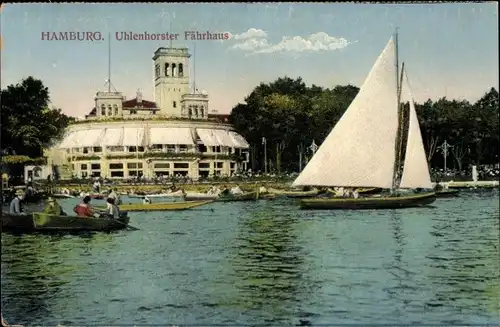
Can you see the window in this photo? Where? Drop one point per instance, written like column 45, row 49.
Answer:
column 85, row 150
column 173, row 70
column 117, row 173
column 175, row 104
column 115, row 149
column 181, row 165
column 103, row 109
column 95, row 166
column 162, row 166
column 156, row 147
column 115, row 166
column 216, row 149
column 133, row 112
column 157, row 71
column 181, row 70
column 84, row 174
column 170, row 148
column 202, row 113
column 183, row 148
column 204, row 165
column 135, row 172
column 166, row 70
column 134, row 165
column 115, row 107
column 97, row 149
column 202, row 148
column 83, row 167
column 232, row 164
column 96, row 174
column 110, row 110
column 218, row 165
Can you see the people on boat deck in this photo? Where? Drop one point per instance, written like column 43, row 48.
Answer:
column 16, row 206
column 84, row 209
column 112, row 209
column 146, row 200
column 262, row 189
column 214, row 190
column 236, row 190
column 53, row 208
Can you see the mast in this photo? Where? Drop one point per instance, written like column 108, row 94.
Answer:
column 400, row 129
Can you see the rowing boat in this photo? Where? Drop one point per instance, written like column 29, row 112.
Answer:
column 247, row 196
column 447, row 193
column 295, row 194
column 175, row 194
column 38, row 221
column 197, row 196
column 161, row 206
column 46, row 222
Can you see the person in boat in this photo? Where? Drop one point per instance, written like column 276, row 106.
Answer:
column 97, row 186
column 84, row 209
column 173, row 188
column 112, row 209
column 146, row 200
column 16, row 207
column 225, row 191
column 262, row 189
column 438, row 187
column 114, row 195
column 53, row 208
column 355, row 193
column 236, row 190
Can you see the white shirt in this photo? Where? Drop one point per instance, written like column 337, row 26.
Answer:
column 15, row 207
column 113, row 210
column 236, row 190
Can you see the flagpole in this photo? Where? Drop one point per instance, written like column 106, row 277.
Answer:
column 264, row 141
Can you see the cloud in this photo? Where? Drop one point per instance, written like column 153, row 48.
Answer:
column 255, row 41
column 251, row 33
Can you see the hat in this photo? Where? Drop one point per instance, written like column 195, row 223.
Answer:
column 50, row 199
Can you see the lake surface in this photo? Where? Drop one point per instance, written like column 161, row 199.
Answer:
column 264, row 263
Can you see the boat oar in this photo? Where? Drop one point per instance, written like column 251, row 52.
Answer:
column 130, row 227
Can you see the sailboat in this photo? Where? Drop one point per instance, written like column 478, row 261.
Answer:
column 364, row 149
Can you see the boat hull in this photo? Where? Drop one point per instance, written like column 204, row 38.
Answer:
column 45, row 222
column 250, row 196
column 448, row 193
column 161, row 206
column 397, row 202
column 295, row 194
column 200, row 197
column 39, row 222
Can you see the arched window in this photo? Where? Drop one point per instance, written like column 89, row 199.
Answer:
column 110, row 110
column 166, row 69
column 173, row 70
column 202, row 112
column 190, row 113
column 103, row 109
column 181, row 70
column 115, row 107
column 157, row 71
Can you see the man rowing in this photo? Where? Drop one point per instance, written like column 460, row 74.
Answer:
column 53, row 208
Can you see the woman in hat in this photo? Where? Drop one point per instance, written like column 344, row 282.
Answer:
column 53, row 208
column 16, row 207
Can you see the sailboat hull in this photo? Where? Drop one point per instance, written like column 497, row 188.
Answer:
column 397, row 202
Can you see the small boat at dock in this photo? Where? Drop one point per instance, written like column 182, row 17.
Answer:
column 161, row 206
column 175, row 194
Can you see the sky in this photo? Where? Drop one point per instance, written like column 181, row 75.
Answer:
column 449, row 49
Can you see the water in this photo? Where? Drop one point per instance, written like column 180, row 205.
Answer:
column 265, row 263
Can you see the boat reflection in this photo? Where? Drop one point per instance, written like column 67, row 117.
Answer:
column 268, row 265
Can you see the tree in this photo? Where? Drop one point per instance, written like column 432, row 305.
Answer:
column 28, row 125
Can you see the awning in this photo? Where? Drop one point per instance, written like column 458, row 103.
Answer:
column 215, row 137
column 113, row 137
column 133, row 136
column 68, row 141
column 239, row 140
column 84, row 138
column 169, row 135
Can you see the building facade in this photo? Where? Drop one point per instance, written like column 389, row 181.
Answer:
column 174, row 135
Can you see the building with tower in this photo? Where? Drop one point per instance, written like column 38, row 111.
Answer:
column 173, row 135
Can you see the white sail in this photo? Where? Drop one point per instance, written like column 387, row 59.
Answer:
column 416, row 169
column 360, row 150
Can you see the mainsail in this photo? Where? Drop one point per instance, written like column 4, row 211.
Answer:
column 416, row 169
column 359, row 151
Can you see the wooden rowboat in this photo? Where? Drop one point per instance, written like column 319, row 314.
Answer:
column 161, row 206
column 295, row 194
column 373, row 202
column 247, row 196
column 160, row 195
column 39, row 221
column 196, row 196
column 46, row 222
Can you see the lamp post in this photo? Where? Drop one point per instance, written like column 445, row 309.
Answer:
column 264, row 142
column 444, row 150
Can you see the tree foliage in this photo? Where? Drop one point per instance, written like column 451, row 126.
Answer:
column 28, row 124
column 290, row 115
